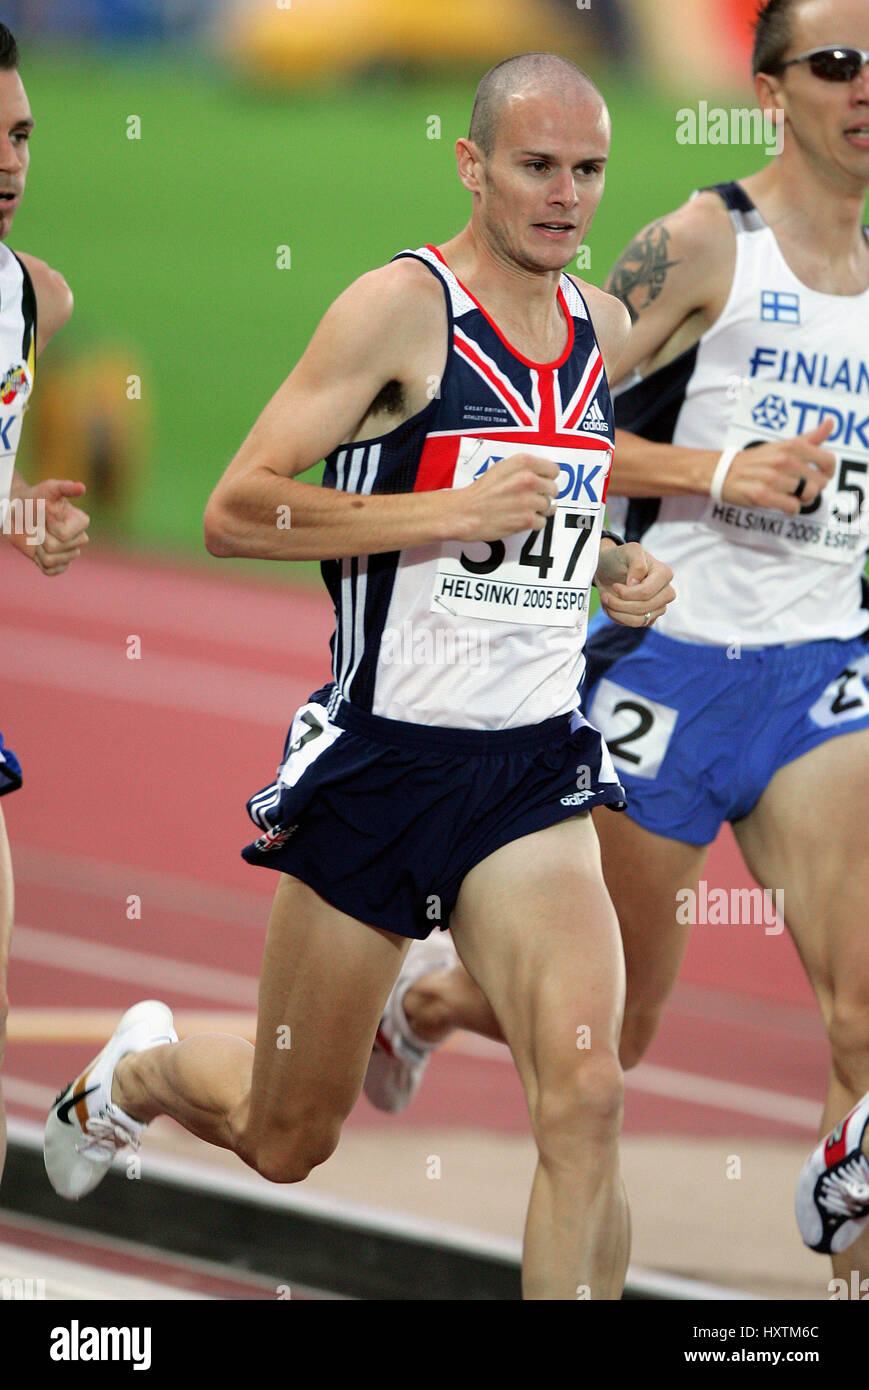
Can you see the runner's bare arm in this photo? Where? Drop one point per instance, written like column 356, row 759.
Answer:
column 390, row 325
column 65, row 524
column 634, row 586
column 54, row 302
column 674, row 279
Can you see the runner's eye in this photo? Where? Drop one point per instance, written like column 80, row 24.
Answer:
column 836, row 64
column 832, row 64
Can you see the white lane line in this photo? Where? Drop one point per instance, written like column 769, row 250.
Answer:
column 171, row 682
column 63, row 1024
column 686, row 1087
column 726, row 1095
column 71, row 953
column 28, row 1093
column 50, row 1277
column 74, row 873
column 96, row 1245
column 800, row 1021
column 290, row 619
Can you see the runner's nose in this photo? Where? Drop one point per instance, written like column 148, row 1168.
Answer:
column 564, row 192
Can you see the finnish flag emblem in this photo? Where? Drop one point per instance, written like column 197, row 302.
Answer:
column 776, row 307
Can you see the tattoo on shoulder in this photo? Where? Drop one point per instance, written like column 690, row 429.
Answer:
column 643, row 266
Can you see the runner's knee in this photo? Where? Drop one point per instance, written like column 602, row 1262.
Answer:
column 577, row 1109
column 849, row 1042
column 288, row 1155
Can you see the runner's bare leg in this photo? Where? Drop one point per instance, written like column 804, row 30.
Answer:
column 807, row 836
column 535, row 927
column 280, row 1105
column 643, row 873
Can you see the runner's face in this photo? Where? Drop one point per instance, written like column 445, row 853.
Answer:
column 545, row 178
column 830, row 120
column 16, row 124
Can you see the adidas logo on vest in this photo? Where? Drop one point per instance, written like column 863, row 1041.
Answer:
column 594, row 419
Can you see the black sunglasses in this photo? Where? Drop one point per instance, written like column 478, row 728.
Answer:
column 833, row 64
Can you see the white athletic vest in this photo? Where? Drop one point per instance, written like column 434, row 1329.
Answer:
column 779, row 360
column 17, row 356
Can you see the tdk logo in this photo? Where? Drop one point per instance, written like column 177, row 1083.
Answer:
column 771, row 413
column 776, row 307
column 850, row 428
column 574, row 479
column 5, row 427
column 579, row 480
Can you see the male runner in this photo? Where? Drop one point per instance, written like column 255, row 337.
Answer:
column 31, row 294
column 749, row 701
column 459, row 397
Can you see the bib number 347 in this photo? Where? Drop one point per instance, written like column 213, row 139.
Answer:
column 541, row 577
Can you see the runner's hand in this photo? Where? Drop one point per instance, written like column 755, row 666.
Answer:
column 65, row 525
column 768, row 474
column 516, row 494
column 634, row 587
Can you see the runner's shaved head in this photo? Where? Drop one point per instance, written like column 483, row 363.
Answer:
column 537, row 72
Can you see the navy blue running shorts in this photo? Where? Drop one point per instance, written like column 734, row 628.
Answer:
column 10, row 769
column 384, row 818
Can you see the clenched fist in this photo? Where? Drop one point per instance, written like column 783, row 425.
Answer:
column 516, row 494
column 634, row 587
column 65, row 525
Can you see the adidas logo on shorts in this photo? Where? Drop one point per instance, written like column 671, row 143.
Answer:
column 594, row 419
column 576, row 799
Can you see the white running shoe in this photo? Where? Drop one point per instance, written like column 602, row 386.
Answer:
column 833, row 1189
column 84, row 1130
column 399, row 1057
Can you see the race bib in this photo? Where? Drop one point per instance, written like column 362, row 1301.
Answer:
column 845, row 698
column 637, row 730
column 540, row 577
column 834, row 526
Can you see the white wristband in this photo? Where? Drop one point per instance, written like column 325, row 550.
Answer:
column 722, row 469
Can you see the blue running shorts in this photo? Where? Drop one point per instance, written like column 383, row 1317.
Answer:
column 384, row 818
column 697, row 732
column 10, row 769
